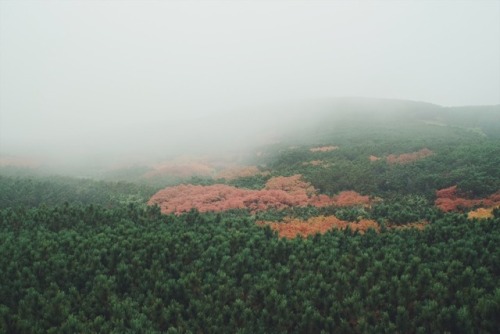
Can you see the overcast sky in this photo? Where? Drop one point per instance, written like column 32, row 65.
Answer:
column 75, row 70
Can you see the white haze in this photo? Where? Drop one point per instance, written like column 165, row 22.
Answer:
column 88, row 81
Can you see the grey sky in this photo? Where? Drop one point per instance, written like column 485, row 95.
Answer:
column 74, row 70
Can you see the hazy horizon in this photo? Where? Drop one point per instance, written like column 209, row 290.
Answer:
column 87, row 79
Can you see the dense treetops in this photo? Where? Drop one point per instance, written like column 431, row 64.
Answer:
column 127, row 269
column 34, row 191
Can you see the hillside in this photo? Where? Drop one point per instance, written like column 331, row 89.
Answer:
column 368, row 215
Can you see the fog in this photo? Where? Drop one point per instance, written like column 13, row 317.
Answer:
column 87, row 82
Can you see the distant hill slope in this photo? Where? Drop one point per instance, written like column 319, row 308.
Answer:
column 485, row 118
column 348, row 117
column 387, row 111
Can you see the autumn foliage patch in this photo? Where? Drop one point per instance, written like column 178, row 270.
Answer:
column 290, row 184
column 344, row 198
column 291, row 228
column 481, row 213
column 316, row 163
column 221, row 197
column 408, row 157
column 323, row 148
column 279, row 193
column 448, row 200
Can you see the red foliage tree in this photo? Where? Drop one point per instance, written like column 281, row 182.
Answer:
column 290, row 184
column 221, row 197
column 350, row 198
column 279, row 193
column 448, row 200
column 450, row 192
column 344, row 198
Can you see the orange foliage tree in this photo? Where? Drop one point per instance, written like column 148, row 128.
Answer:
column 344, row 198
column 481, row 213
column 291, row 184
column 350, row 198
column 290, row 228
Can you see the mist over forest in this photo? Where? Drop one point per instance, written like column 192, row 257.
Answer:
column 249, row 166
column 235, row 137
column 92, row 83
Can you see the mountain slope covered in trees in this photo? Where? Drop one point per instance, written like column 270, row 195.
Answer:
column 372, row 216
